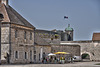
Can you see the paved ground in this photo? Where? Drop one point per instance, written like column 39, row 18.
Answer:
column 75, row 64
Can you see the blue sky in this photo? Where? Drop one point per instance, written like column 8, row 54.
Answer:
column 84, row 15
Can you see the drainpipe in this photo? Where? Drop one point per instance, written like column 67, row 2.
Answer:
column 9, row 44
column 0, row 42
column 1, row 19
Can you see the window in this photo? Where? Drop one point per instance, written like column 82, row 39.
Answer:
column 92, row 53
column 34, row 57
column 16, row 54
column 1, row 17
column 30, row 55
column 25, row 55
column 69, row 37
column 44, row 55
column 30, row 36
column 39, row 56
column 25, row 35
column 34, row 52
column 15, row 33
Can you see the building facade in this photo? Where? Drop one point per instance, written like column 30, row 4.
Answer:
column 17, row 36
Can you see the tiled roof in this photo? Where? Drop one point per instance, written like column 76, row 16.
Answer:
column 96, row 37
column 10, row 15
column 45, row 31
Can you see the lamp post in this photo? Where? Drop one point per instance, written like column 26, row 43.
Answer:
column 1, row 19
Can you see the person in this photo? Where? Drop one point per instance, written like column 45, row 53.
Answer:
column 60, row 59
column 44, row 61
column 55, row 60
column 47, row 60
column 71, row 59
column 63, row 60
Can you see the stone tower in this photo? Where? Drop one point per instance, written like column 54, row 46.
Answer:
column 69, row 33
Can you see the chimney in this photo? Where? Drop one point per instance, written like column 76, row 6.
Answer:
column 4, row 1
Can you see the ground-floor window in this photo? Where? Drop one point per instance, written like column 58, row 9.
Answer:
column 39, row 56
column 30, row 55
column 25, row 55
column 34, row 52
column 34, row 57
column 16, row 54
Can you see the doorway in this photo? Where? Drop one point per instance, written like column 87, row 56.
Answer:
column 85, row 57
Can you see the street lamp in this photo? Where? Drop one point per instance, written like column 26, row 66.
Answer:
column 1, row 19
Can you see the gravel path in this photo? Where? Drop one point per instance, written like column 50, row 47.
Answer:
column 75, row 64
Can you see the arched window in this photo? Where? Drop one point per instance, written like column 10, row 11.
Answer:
column 16, row 54
column 25, row 55
column 69, row 37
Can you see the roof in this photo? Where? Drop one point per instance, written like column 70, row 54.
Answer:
column 11, row 16
column 45, row 31
column 40, row 41
column 96, row 37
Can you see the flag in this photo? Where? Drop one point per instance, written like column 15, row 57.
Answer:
column 65, row 17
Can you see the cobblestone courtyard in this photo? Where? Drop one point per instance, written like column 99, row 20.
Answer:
column 75, row 64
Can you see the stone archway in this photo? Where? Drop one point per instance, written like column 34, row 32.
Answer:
column 86, row 56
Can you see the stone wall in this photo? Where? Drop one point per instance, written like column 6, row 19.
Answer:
column 92, row 48
column 71, row 49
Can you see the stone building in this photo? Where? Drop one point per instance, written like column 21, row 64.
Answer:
column 49, row 36
column 68, row 34
column 96, row 37
column 17, row 36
